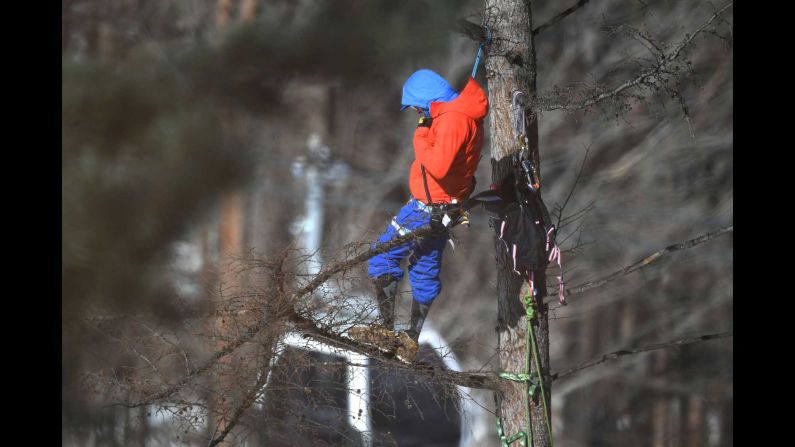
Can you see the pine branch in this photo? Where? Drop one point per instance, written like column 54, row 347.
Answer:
column 682, row 341
column 196, row 372
column 251, row 396
column 309, row 329
column 300, row 323
column 337, row 267
column 662, row 64
column 648, row 260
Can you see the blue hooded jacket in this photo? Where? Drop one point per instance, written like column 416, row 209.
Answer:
column 424, row 87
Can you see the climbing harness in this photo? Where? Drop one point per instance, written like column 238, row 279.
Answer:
column 480, row 50
column 532, row 387
column 445, row 215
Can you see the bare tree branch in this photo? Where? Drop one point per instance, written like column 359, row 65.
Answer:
column 479, row 380
column 471, row 30
column 577, row 179
column 337, row 267
column 682, row 341
column 644, row 38
column 645, row 76
column 467, row 379
column 648, row 260
column 310, row 329
column 195, row 372
column 476, row 32
column 562, row 15
column 300, row 323
column 249, row 399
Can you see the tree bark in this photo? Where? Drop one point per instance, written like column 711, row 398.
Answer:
column 511, row 65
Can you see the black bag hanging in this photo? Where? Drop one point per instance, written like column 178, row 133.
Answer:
column 522, row 222
column 525, row 233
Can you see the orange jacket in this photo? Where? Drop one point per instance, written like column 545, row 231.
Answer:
column 450, row 148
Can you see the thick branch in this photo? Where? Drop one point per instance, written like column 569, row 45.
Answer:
column 309, row 329
column 471, row 30
column 560, row 16
column 663, row 62
column 648, row 260
column 476, row 32
column 337, row 267
column 682, row 341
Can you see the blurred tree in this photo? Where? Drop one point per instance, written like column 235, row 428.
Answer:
column 149, row 149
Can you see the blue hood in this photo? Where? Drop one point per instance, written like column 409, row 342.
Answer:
column 424, row 87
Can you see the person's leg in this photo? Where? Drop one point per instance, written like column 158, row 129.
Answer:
column 418, row 313
column 385, row 274
column 384, row 268
column 425, row 265
column 388, row 262
column 385, row 288
column 424, row 268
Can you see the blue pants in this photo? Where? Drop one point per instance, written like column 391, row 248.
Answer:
column 425, row 256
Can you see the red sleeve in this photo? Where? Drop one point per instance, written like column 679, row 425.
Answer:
column 437, row 146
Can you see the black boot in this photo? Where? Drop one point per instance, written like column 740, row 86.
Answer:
column 409, row 340
column 418, row 313
column 385, row 292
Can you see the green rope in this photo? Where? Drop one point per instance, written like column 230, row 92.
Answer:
column 506, row 441
column 521, row 377
column 531, row 387
column 526, row 395
column 530, row 315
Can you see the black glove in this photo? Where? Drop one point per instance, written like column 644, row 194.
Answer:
column 425, row 121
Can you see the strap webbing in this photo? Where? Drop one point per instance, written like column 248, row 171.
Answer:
column 425, row 184
column 480, row 50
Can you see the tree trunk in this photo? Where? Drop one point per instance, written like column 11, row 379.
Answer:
column 510, row 66
column 230, row 248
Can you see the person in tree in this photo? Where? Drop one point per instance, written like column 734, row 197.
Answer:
column 447, row 145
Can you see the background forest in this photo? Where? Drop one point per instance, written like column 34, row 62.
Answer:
column 189, row 130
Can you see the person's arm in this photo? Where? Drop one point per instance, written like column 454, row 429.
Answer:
column 436, row 150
